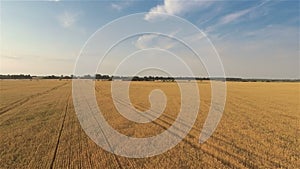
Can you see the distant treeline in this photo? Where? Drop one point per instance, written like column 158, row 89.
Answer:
column 22, row 76
column 145, row 78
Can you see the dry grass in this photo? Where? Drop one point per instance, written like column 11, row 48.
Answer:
column 259, row 127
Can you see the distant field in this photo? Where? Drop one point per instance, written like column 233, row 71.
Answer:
column 259, row 127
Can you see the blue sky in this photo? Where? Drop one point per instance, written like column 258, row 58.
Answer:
column 255, row 39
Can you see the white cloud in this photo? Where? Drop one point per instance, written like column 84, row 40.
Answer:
column 175, row 7
column 154, row 41
column 68, row 19
column 167, row 41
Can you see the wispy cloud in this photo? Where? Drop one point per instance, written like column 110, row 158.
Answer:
column 116, row 6
column 18, row 55
column 53, row 0
column 237, row 15
column 121, row 5
column 13, row 57
column 273, row 50
column 234, row 17
column 271, row 32
column 175, row 7
column 68, row 19
column 60, row 59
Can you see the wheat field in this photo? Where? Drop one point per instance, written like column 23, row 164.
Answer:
column 259, row 127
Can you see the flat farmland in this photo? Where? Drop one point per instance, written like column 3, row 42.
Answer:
column 259, row 127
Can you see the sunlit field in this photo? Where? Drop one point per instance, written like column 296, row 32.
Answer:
column 259, row 128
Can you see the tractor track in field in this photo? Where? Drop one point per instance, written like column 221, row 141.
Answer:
column 60, row 132
column 235, row 158
column 224, row 162
column 243, row 150
column 40, row 144
column 110, row 146
column 26, row 99
column 116, row 157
